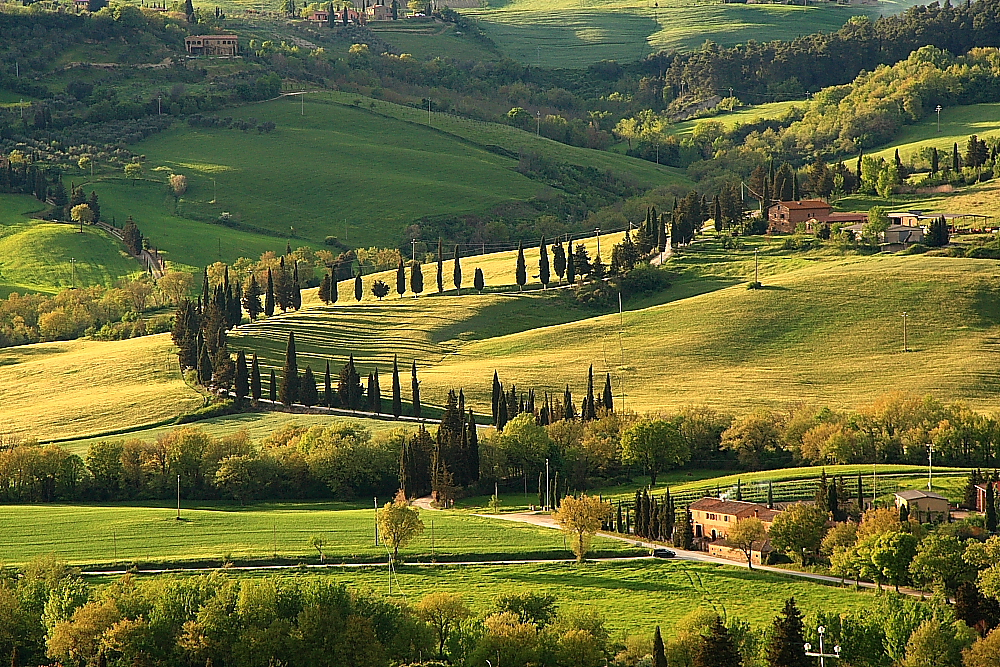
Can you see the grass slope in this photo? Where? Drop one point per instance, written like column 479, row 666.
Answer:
column 631, row 596
column 87, row 534
column 826, row 330
column 76, row 388
column 35, row 256
column 739, row 117
column 577, row 33
column 957, row 123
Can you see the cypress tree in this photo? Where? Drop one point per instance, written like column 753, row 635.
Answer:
column 497, row 397
column 521, row 273
column 609, row 400
column 480, row 280
column 334, row 287
column 309, row 395
column 205, row 366
column 397, row 391
column 569, row 412
column 739, row 490
column 328, row 387
column 796, row 194
column 289, row 391
column 273, row 388
column 770, row 495
column 861, row 493
column 956, row 163
column 684, row 535
column 242, row 383
column 503, row 415
column 254, row 379
column 269, row 295
column 990, row 508
column 559, row 260
column 717, row 649
column 440, row 266
column 787, row 644
column 415, row 390
column 473, row 448
column 570, row 267
column 543, row 264
column 349, row 386
column 935, row 161
column 659, row 657
column 591, row 410
column 400, row 278
column 456, row 274
column 416, row 279
column 375, row 394
column 296, row 288
column 359, row 288
column 370, row 404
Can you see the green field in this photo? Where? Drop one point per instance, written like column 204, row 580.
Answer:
column 739, row 117
column 630, row 596
column 957, row 123
column 827, row 330
column 577, row 33
column 150, row 533
column 36, row 256
column 430, row 40
column 83, row 387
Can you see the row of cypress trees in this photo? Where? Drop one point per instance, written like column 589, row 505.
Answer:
column 509, row 403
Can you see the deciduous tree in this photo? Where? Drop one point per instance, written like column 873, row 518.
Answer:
column 399, row 524
column 580, row 518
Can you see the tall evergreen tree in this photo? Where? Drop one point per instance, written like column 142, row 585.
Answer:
column 416, row 279
column 543, row 264
column 328, row 399
column 770, row 495
column 473, row 447
column 415, row 390
column 456, row 274
column 269, row 295
column 521, row 273
column 659, row 656
column 559, row 260
column 295, row 289
column 254, row 379
column 324, row 289
column 308, row 395
column 569, row 411
column 609, row 399
column 684, row 534
column 479, row 281
column 349, row 388
column 242, row 383
column 375, row 394
column 204, row 366
column 990, row 507
column 570, row 267
column 935, row 160
column 440, row 266
column 786, row 647
column 273, row 388
column 251, row 299
column 956, row 163
column 717, row 648
column 497, row 397
column 590, row 412
column 359, row 288
column 397, row 391
column 400, row 278
column 289, row 391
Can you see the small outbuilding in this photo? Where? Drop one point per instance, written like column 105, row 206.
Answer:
column 924, row 506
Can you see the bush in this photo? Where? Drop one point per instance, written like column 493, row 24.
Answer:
column 644, row 279
column 219, row 409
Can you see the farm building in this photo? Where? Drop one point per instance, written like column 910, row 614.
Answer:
column 786, row 215
column 924, row 506
column 319, row 16
column 212, row 45
column 713, row 517
column 981, row 496
column 379, row 13
column 895, row 237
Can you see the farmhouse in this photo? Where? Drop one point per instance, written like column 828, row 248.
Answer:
column 924, row 506
column 713, row 517
column 319, row 16
column 212, row 45
column 895, row 237
column 379, row 13
column 981, row 495
column 786, row 215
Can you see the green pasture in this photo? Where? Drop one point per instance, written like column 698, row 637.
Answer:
column 630, row 596
column 576, row 33
column 38, row 256
column 426, row 40
column 743, row 116
column 957, row 124
column 258, row 425
column 185, row 243
column 334, row 166
column 78, row 388
column 151, row 533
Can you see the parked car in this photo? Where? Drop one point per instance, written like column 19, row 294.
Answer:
column 663, row 553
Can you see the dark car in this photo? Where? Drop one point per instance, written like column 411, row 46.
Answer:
column 663, row 553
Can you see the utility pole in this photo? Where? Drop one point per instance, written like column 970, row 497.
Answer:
column 930, row 465
column 547, row 485
column 598, row 233
column 413, row 251
column 159, row 105
column 821, row 654
column 428, row 111
column 938, row 110
column 178, row 497
column 538, row 123
column 302, row 103
column 72, row 262
column 905, row 346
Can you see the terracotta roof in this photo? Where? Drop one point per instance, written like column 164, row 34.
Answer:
column 846, row 217
column 805, row 204
column 734, row 508
column 211, row 37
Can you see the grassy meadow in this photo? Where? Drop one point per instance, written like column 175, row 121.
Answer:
column 741, row 116
column 957, row 123
column 826, row 330
column 150, row 533
column 35, row 256
column 76, row 388
column 575, row 33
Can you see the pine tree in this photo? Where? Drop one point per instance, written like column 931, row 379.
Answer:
column 718, row 648
column 93, row 203
column 497, row 397
column 397, row 391
column 935, row 161
column 570, row 267
column 204, row 366
column 307, row 391
column 359, row 288
column 559, row 260
column 415, row 390
column 956, row 163
column 479, row 281
column 273, row 388
column 375, row 394
column 242, row 385
column 289, row 392
column 269, row 295
column 590, row 412
column 786, row 645
column 521, row 273
column 543, row 264
column 400, row 278
column 251, row 299
column 569, row 411
column 328, row 399
column 609, row 403
column 440, row 266
column 349, row 388
column 254, row 379
column 659, row 657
